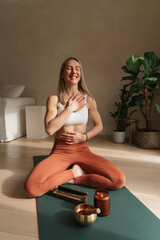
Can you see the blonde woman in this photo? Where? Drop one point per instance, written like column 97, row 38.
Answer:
column 71, row 160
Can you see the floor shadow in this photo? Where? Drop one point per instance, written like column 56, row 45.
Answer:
column 14, row 188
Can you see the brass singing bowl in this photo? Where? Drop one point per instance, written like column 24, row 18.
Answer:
column 84, row 219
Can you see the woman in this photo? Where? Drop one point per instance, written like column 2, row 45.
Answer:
column 71, row 160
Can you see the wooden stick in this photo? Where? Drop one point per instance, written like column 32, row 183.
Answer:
column 71, row 190
column 69, row 197
column 70, row 194
column 88, row 211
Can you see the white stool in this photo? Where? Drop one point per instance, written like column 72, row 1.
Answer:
column 35, row 122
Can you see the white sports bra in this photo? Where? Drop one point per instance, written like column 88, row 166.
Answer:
column 75, row 118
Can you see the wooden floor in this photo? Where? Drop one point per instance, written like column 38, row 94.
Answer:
column 18, row 218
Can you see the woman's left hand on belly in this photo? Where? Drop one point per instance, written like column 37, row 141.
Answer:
column 73, row 137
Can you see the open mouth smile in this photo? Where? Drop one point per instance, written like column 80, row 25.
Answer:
column 72, row 78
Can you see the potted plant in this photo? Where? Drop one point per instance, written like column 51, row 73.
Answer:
column 144, row 88
column 120, row 116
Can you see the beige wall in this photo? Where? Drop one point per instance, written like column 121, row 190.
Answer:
column 36, row 36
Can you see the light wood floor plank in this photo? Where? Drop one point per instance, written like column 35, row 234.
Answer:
column 18, row 203
column 9, row 236
column 18, row 222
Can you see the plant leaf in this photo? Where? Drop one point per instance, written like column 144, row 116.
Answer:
column 128, row 78
column 153, row 57
column 135, row 88
column 145, row 64
column 136, row 101
column 140, row 81
column 133, row 64
column 148, row 62
column 158, row 107
column 125, row 69
column 152, row 79
column 146, row 73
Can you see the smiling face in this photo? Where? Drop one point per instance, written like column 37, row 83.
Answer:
column 71, row 75
column 72, row 72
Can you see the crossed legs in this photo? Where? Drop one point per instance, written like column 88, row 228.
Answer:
column 53, row 171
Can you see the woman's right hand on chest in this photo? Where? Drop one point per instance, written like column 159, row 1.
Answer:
column 75, row 103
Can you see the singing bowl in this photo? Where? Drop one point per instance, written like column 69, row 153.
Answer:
column 84, row 220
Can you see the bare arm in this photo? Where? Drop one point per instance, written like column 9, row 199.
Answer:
column 53, row 122
column 95, row 118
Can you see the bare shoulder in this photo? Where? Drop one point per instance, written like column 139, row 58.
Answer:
column 90, row 99
column 53, row 98
column 52, row 101
column 91, row 102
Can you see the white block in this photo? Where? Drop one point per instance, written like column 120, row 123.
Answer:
column 35, row 122
column 12, row 117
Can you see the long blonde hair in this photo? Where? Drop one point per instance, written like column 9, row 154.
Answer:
column 61, row 84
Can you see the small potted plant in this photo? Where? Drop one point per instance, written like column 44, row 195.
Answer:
column 144, row 88
column 120, row 116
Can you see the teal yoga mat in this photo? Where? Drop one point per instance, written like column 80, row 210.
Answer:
column 129, row 219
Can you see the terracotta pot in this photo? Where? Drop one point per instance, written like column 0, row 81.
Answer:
column 148, row 140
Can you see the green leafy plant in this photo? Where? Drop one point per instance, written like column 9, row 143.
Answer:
column 121, row 113
column 144, row 84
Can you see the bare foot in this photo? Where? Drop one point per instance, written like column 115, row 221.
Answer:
column 77, row 171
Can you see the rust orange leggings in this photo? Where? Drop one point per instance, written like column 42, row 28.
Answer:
column 54, row 170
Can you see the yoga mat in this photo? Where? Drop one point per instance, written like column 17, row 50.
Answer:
column 129, row 219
